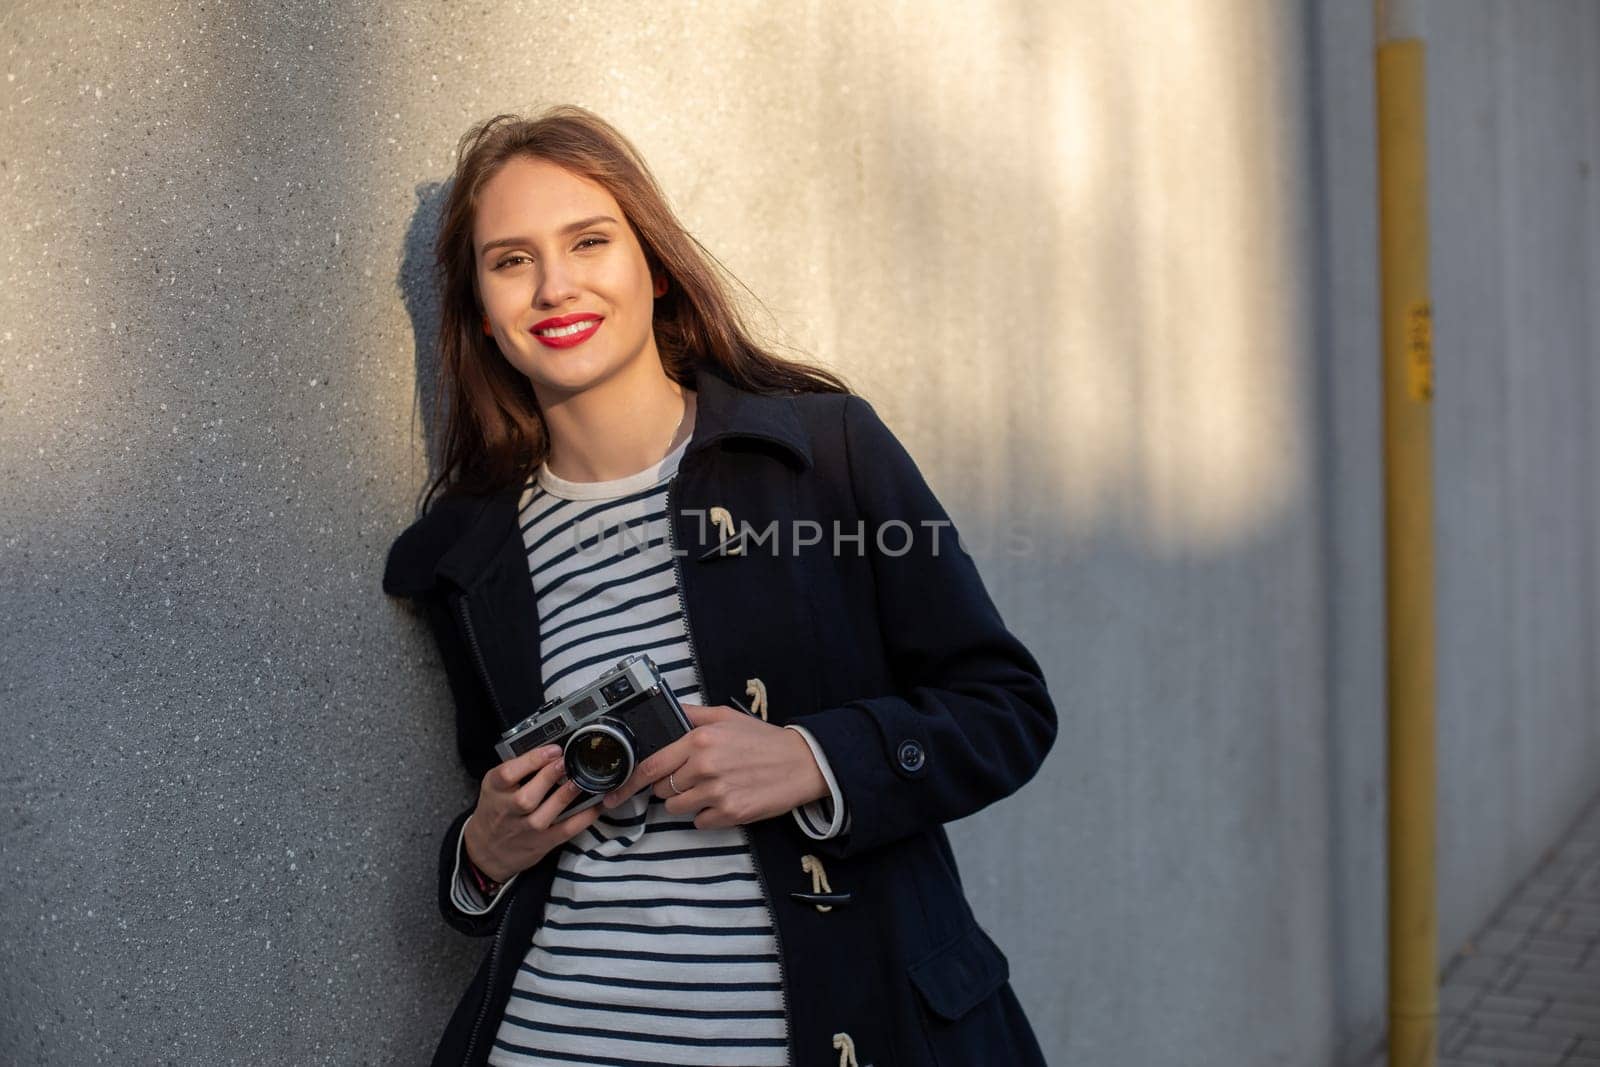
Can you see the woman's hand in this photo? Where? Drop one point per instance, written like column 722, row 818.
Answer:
column 514, row 825
column 729, row 769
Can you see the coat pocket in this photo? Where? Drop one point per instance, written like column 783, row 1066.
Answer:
column 970, row 1016
column 960, row 975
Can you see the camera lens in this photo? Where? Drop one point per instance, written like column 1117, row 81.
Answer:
column 599, row 756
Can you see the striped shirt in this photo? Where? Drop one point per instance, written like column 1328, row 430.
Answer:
column 657, row 945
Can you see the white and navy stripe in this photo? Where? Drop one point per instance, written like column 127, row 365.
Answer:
column 657, row 944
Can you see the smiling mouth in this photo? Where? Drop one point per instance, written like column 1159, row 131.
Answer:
column 569, row 330
column 574, row 333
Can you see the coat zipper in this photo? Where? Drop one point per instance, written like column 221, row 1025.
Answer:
column 500, row 927
column 755, row 860
column 477, row 656
column 488, row 988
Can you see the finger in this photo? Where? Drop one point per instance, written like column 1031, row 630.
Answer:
column 528, row 799
column 573, row 825
column 699, row 716
column 689, row 801
column 510, row 774
column 658, row 764
column 712, row 819
column 682, row 778
column 549, row 810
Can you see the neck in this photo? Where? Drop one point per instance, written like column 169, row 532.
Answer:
column 617, row 427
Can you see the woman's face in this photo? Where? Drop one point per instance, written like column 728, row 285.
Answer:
column 552, row 245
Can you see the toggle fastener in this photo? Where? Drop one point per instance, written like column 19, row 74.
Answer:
column 756, row 690
column 847, row 1051
column 732, row 543
column 822, row 897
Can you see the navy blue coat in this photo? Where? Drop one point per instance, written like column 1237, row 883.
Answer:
column 886, row 646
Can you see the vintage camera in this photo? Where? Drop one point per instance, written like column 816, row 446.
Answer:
column 605, row 728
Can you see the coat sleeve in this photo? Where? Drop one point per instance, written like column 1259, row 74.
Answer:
column 475, row 718
column 970, row 720
column 474, row 745
column 408, row 575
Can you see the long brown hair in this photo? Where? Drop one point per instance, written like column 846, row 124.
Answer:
column 492, row 430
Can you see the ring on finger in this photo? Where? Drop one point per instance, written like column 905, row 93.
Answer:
column 674, row 785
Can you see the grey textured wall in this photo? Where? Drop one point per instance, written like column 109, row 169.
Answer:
column 1109, row 269
column 1515, row 110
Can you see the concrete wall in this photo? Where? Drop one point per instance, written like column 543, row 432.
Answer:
column 230, row 755
column 1515, row 142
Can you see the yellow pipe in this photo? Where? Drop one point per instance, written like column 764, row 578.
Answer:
column 1408, row 536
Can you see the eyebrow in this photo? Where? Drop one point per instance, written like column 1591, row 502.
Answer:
column 571, row 227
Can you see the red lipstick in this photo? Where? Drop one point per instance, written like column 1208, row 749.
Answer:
column 588, row 324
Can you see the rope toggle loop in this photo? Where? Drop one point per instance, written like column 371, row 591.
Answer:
column 722, row 519
column 819, row 878
column 756, row 690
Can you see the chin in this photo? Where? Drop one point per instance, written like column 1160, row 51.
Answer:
column 573, row 370
column 552, row 371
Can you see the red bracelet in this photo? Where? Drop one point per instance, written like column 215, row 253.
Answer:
column 486, row 885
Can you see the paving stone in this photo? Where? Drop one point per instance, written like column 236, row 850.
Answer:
column 1502, row 940
column 1455, row 1035
column 1484, row 967
column 1539, row 892
column 1498, row 1020
column 1547, row 966
column 1513, row 1057
column 1509, row 977
column 1556, row 947
column 1567, row 920
column 1587, row 1014
column 1514, row 1005
column 1575, row 988
column 1520, row 914
column 1457, row 998
column 1518, row 1040
column 1572, row 1029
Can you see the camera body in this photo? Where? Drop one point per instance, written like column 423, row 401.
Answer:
column 604, row 729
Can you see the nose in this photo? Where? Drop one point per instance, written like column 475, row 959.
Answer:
column 557, row 284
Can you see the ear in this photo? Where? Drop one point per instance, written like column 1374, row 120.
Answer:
column 659, row 277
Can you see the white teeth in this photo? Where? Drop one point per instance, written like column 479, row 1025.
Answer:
column 568, row 331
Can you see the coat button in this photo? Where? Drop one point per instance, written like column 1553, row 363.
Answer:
column 911, row 756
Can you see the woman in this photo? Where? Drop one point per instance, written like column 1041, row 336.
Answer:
column 626, row 471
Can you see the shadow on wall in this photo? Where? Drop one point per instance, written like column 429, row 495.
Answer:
column 417, row 282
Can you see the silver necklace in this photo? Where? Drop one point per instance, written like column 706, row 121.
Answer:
column 683, row 415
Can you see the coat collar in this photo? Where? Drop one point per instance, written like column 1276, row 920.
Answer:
column 723, row 411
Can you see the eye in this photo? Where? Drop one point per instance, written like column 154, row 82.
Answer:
column 509, row 260
column 591, row 240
